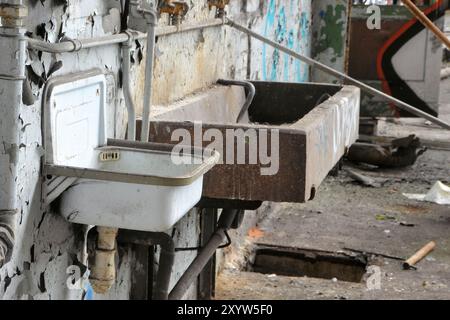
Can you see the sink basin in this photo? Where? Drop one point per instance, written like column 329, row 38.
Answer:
column 138, row 186
column 315, row 124
column 131, row 188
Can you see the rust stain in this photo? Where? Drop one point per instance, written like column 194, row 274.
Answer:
column 255, row 233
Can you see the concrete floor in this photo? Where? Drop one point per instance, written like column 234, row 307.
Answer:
column 345, row 217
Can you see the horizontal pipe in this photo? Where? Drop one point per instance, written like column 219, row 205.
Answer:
column 340, row 75
column 72, row 45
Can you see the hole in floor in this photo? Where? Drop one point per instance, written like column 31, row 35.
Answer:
column 294, row 262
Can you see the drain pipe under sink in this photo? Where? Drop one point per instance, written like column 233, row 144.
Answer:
column 103, row 272
column 217, row 239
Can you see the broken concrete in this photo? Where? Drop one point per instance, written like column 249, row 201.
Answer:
column 345, row 217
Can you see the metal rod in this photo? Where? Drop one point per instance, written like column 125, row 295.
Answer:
column 422, row 17
column 251, row 91
column 148, row 82
column 76, row 45
column 194, row 269
column 340, row 75
column 131, row 110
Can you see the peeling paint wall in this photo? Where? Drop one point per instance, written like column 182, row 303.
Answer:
column 329, row 34
column 46, row 246
column 288, row 23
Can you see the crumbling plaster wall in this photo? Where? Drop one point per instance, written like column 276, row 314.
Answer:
column 46, row 246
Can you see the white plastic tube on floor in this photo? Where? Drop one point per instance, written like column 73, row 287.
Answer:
column 445, row 73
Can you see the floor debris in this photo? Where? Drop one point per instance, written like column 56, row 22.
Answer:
column 419, row 255
column 439, row 193
column 365, row 180
column 398, row 153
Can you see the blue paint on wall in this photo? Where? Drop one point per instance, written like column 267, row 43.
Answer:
column 270, row 20
column 290, row 45
column 280, row 36
column 280, row 26
column 304, row 32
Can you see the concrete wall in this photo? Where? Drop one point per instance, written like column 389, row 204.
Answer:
column 330, row 36
column 46, row 246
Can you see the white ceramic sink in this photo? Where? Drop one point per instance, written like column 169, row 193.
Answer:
column 123, row 187
column 133, row 189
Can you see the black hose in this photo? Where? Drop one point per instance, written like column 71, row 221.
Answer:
column 251, row 91
column 194, row 269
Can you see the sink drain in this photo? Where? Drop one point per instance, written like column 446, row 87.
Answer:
column 295, row 262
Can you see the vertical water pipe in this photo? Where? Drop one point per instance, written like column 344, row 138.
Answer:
column 12, row 75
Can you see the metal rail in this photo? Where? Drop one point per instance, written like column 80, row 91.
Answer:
column 76, row 45
column 340, row 75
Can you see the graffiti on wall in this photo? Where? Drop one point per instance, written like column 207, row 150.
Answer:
column 388, row 71
column 402, row 58
column 289, row 25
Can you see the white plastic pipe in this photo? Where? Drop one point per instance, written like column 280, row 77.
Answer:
column 103, row 272
column 148, row 82
column 73, row 45
column 126, row 86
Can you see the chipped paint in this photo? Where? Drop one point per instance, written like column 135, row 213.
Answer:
column 288, row 23
column 46, row 244
column 332, row 29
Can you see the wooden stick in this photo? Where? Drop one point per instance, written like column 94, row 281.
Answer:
column 426, row 22
column 419, row 255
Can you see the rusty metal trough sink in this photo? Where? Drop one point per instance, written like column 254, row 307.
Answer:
column 316, row 123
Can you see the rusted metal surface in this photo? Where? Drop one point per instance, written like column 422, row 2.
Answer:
column 315, row 123
column 244, row 181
